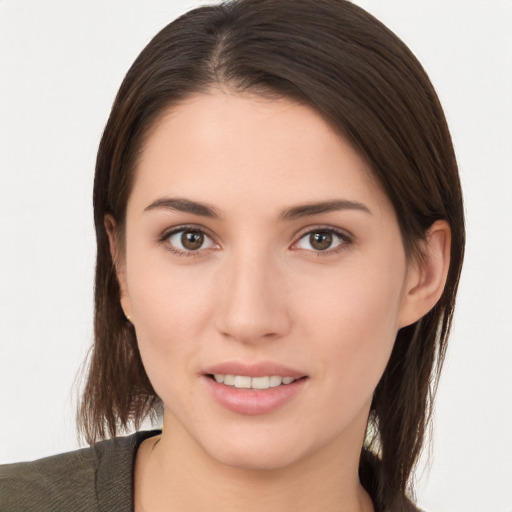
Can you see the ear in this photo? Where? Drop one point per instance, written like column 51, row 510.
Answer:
column 119, row 263
column 426, row 279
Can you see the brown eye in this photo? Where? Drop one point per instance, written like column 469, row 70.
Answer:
column 192, row 240
column 322, row 240
column 189, row 240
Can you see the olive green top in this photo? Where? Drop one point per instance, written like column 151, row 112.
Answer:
column 94, row 479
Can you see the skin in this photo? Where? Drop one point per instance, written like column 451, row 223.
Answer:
column 257, row 289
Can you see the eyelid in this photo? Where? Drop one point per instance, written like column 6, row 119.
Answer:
column 346, row 237
column 166, row 234
column 343, row 234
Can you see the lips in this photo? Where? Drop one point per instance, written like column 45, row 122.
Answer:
column 252, row 389
column 260, row 369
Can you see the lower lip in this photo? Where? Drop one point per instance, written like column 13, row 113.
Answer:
column 253, row 401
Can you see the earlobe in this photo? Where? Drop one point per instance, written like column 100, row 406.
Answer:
column 117, row 258
column 427, row 278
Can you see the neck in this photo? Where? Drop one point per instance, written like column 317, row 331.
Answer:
column 174, row 473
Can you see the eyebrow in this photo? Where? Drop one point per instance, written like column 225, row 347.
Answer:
column 306, row 210
column 310, row 209
column 184, row 205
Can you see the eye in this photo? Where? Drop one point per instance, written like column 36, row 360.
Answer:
column 188, row 240
column 322, row 240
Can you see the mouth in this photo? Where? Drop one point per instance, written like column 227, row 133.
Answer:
column 254, row 389
column 257, row 383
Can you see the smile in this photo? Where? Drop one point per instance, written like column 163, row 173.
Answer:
column 246, row 382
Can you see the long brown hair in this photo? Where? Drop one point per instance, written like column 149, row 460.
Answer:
column 341, row 61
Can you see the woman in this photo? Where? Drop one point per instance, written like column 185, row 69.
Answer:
column 280, row 236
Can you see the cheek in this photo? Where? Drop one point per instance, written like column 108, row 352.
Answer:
column 171, row 308
column 169, row 316
column 165, row 295
column 354, row 325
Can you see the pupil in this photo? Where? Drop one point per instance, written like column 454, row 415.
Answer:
column 192, row 240
column 320, row 241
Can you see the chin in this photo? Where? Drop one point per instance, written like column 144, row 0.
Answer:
column 258, row 449
column 255, row 458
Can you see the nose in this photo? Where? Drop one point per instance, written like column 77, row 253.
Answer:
column 252, row 305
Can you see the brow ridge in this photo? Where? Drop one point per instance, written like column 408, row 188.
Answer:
column 305, row 210
column 184, row 205
column 318, row 208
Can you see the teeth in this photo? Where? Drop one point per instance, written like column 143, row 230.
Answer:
column 229, row 380
column 242, row 382
column 245, row 382
column 275, row 381
column 260, row 382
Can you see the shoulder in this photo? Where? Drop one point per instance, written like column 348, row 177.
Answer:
column 49, row 483
column 91, row 479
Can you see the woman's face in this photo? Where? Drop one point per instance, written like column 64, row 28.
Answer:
column 259, row 247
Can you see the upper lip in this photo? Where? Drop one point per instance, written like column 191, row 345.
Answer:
column 254, row 369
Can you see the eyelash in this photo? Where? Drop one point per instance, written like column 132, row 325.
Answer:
column 164, row 239
column 346, row 240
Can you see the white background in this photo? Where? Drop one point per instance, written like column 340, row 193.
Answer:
column 61, row 63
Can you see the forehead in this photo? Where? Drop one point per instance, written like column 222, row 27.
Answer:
column 221, row 146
